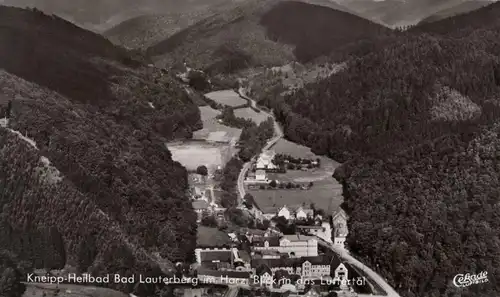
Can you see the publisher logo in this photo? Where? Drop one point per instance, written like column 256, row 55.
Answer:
column 465, row 280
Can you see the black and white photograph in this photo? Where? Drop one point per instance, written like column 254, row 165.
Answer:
column 249, row 148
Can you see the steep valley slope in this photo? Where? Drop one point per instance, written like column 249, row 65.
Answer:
column 148, row 29
column 414, row 118
column 262, row 33
column 461, row 8
column 397, row 13
column 85, row 178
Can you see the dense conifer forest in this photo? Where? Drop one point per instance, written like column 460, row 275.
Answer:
column 85, row 177
column 415, row 121
column 87, row 181
column 262, row 32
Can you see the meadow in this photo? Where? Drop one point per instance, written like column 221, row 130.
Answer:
column 226, row 97
column 326, row 192
column 248, row 113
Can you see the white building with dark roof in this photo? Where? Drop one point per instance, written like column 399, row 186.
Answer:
column 260, row 175
column 305, row 267
column 265, row 160
column 324, row 231
column 294, row 245
column 289, row 212
column 217, row 258
column 340, row 231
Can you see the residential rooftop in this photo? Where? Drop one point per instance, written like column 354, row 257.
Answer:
column 200, row 204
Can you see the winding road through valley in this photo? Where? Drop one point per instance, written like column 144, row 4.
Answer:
column 278, row 134
column 372, row 275
column 344, row 254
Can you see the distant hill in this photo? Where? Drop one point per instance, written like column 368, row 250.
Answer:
column 263, row 33
column 149, row 29
column 487, row 17
column 461, row 8
column 414, row 120
column 396, row 13
column 85, row 177
column 99, row 15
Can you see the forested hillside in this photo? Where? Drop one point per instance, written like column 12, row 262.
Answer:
column 461, row 8
column 481, row 19
column 263, row 33
column 13, row 272
column 149, row 29
column 86, row 179
column 415, row 121
column 396, row 13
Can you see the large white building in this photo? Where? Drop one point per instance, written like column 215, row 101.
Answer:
column 294, row 245
column 305, row 267
column 265, row 160
column 260, row 175
column 324, row 231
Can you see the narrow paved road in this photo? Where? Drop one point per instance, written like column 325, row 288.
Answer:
column 278, row 135
column 375, row 277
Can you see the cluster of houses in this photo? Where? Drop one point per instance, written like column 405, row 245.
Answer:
column 271, row 255
column 267, row 255
column 264, row 165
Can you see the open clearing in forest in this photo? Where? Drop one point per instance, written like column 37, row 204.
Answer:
column 192, row 154
column 226, row 97
column 248, row 113
column 213, row 130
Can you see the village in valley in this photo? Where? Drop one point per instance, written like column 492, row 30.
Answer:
column 271, row 224
column 286, row 249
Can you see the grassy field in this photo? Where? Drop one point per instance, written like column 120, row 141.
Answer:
column 211, row 125
column 195, row 153
column 212, row 237
column 325, row 194
column 211, row 146
column 226, row 97
column 248, row 113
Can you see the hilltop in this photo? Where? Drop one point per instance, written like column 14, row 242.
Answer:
column 148, row 29
column 260, row 33
column 86, row 179
column 461, row 8
column 414, row 120
column 98, row 15
column 396, row 13
column 485, row 19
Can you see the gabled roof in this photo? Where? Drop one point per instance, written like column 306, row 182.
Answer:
column 260, row 241
column 309, row 227
column 210, row 256
column 200, row 204
column 297, row 237
column 291, row 208
column 314, row 291
column 340, row 213
column 263, row 269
